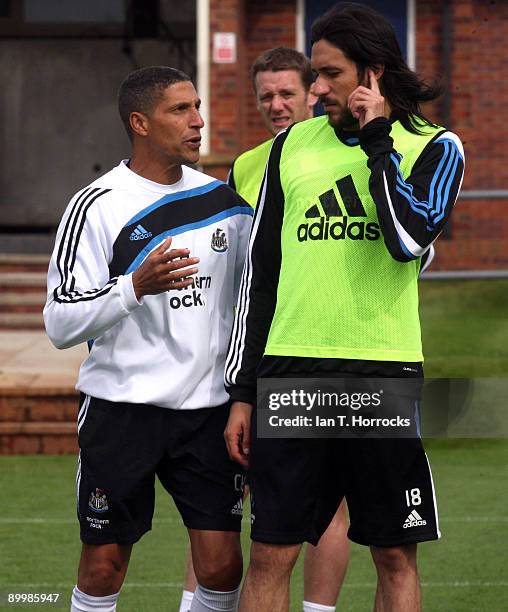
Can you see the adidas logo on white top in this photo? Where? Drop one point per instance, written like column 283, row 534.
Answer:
column 414, row 520
column 140, row 233
column 238, row 508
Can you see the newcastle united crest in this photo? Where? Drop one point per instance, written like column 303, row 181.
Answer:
column 219, row 241
column 98, row 501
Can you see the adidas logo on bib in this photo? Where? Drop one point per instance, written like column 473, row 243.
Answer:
column 325, row 227
column 414, row 520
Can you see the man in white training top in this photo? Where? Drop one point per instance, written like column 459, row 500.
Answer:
column 146, row 269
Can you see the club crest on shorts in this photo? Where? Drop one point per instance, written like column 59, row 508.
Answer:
column 219, row 241
column 98, row 502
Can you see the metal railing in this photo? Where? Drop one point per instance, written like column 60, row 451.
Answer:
column 484, row 194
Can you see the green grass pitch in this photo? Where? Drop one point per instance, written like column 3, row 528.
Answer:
column 465, row 332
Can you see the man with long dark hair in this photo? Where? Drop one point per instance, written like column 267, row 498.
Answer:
column 349, row 205
column 281, row 79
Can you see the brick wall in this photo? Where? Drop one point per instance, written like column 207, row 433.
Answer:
column 235, row 125
column 36, row 421
column 227, row 98
column 479, row 103
column 269, row 23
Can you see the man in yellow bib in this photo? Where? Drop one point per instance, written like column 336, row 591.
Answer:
column 282, row 78
column 350, row 202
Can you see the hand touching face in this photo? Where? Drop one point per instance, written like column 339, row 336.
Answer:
column 347, row 102
column 367, row 103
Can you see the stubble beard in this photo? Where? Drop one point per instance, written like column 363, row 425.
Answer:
column 345, row 121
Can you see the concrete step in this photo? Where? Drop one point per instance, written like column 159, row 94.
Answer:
column 22, row 262
column 21, row 320
column 14, row 298
column 22, row 299
column 11, row 301
column 22, row 280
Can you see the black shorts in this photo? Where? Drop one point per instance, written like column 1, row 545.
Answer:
column 123, row 446
column 298, row 484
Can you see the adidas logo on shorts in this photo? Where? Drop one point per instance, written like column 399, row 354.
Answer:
column 238, row 508
column 414, row 520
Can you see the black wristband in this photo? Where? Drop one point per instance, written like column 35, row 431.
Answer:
column 375, row 137
column 239, row 393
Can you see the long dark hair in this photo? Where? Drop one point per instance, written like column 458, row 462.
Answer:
column 367, row 38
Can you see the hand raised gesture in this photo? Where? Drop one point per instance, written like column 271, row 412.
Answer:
column 163, row 270
column 367, row 103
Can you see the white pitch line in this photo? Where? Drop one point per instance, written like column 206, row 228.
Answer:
column 65, row 585
column 178, row 585
column 457, row 584
column 474, row 519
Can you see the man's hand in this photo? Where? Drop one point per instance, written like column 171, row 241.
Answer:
column 237, row 432
column 367, row 103
column 163, row 270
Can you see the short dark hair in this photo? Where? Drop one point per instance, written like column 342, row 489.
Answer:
column 367, row 38
column 141, row 90
column 283, row 58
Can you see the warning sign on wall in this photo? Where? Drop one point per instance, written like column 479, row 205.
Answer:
column 224, row 47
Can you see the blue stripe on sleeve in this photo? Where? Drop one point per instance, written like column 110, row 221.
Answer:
column 438, row 174
column 453, row 144
column 433, row 210
column 435, row 200
column 446, row 186
column 408, row 253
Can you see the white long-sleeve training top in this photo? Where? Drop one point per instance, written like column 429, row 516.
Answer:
column 169, row 349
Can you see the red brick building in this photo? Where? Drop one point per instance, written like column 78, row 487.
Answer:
column 70, row 57
column 462, row 40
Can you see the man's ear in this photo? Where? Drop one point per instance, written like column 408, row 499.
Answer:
column 311, row 101
column 139, row 123
column 378, row 70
